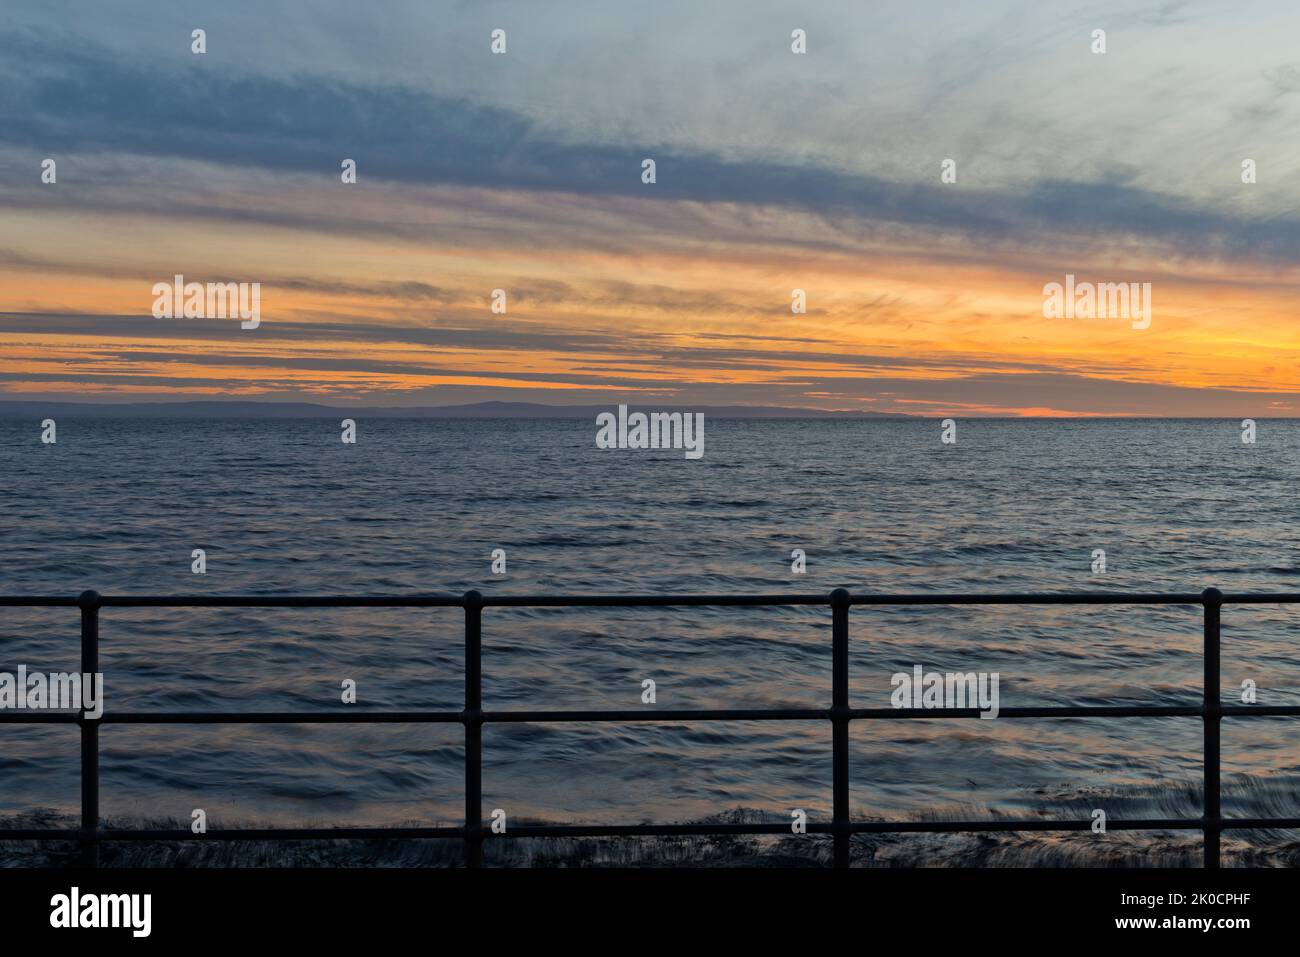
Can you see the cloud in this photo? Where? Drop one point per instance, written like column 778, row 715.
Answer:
column 444, row 365
column 54, row 100
column 774, row 171
column 502, row 335
column 409, row 290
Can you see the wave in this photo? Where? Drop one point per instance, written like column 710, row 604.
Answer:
column 1245, row 796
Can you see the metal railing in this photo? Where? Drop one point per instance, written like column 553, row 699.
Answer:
column 472, row 833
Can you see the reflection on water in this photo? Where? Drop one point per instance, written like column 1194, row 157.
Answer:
column 418, row 506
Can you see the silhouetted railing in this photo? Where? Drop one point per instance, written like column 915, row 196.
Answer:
column 473, row 717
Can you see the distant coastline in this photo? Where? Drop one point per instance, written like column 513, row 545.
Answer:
column 242, row 408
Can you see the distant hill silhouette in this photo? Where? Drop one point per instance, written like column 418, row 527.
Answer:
column 27, row 408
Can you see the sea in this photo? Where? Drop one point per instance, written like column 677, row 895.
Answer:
column 420, row 506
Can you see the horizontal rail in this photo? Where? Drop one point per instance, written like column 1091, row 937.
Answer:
column 642, row 601
column 235, row 834
column 472, row 833
column 622, row 717
column 974, row 826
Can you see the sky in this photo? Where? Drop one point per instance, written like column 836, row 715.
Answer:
column 774, row 171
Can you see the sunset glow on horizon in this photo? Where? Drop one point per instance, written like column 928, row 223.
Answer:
column 477, row 172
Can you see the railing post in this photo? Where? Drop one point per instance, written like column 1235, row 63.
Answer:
column 89, row 603
column 840, row 724
column 473, row 721
column 1212, row 712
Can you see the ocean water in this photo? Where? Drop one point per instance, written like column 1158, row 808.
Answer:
column 418, row 506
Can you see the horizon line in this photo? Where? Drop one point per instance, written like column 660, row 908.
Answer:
column 523, row 409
